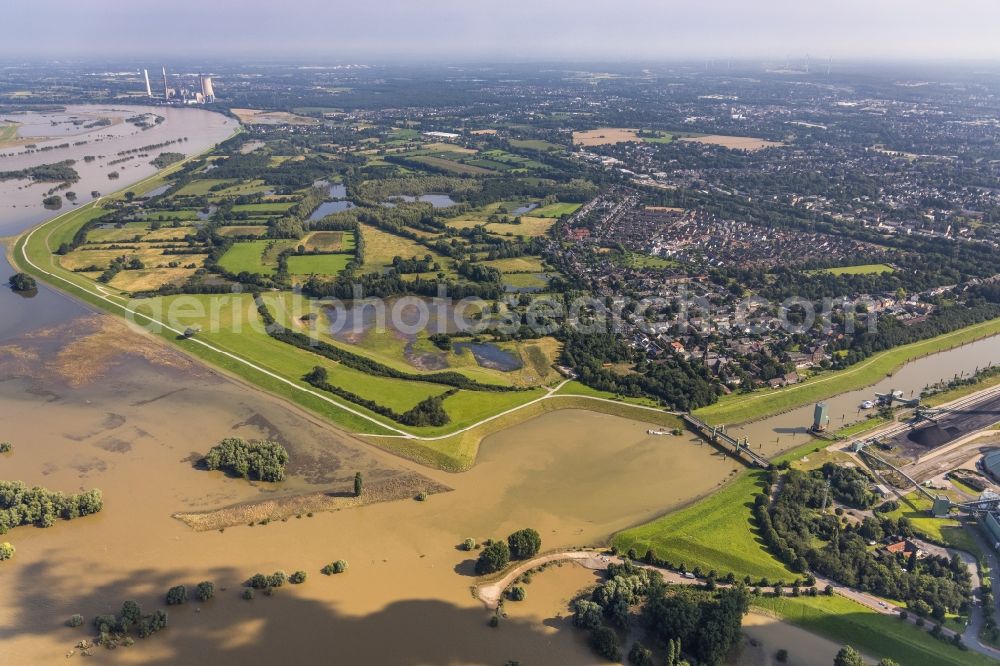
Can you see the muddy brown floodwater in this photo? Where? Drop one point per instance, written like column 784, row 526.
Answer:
column 132, row 423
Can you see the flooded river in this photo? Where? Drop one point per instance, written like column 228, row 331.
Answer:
column 89, row 404
column 784, row 431
column 184, row 130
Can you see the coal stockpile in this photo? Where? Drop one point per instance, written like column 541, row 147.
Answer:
column 933, row 435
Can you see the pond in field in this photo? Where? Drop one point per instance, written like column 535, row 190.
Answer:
column 436, row 200
column 328, row 208
column 522, row 210
column 488, row 355
column 404, row 318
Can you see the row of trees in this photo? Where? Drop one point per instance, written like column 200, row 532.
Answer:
column 20, row 505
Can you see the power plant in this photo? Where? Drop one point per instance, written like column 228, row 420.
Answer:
column 200, row 92
column 206, row 89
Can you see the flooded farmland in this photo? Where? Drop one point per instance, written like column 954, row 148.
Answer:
column 44, row 135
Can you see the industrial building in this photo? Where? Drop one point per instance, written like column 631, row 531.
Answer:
column 204, row 93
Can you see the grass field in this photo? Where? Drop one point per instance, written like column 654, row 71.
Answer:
column 741, row 407
column 865, row 269
column 534, row 144
column 949, row 531
column 320, row 264
column 850, row 623
column 517, row 265
column 381, row 247
column 451, row 166
column 555, row 210
column 266, row 208
column 530, row 226
column 714, row 533
column 246, row 256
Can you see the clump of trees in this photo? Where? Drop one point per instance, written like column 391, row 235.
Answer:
column 494, row 557
column 798, row 529
column 261, row 581
column 706, row 623
column 205, row 590
column 520, row 545
column 177, row 595
column 115, row 629
column 22, row 282
column 20, row 505
column 524, row 544
column 261, row 459
column 339, row 566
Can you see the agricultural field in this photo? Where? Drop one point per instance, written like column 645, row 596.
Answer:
column 555, row 210
column 318, row 264
column 381, row 247
column 535, row 144
column 748, row 143
column 329, row 241
column 603, row 136
column 259, row 256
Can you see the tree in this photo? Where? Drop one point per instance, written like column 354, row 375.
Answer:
column 75, row 620
column 587, row 614
column 886, row 662
column 177, row 595
column 524, row 544
column 517, row 593
column 469, row 544
column 848, row 656
column 131, row 614
column 7, row 550
column 604, row 641
column 640, row 655
column 205, row 590
column 22, row 282
column 493, row 557
column 781, row 656
column 357, row 484
column 297, row 577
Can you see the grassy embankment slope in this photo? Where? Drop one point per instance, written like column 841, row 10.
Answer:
column 850, row 623
column 742, row 407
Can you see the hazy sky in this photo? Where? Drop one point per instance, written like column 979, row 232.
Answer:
column 511, row 29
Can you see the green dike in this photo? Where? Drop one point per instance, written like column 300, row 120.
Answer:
column 742, row 407
column 714, row 533
column 849, row 623
column 577, row 388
